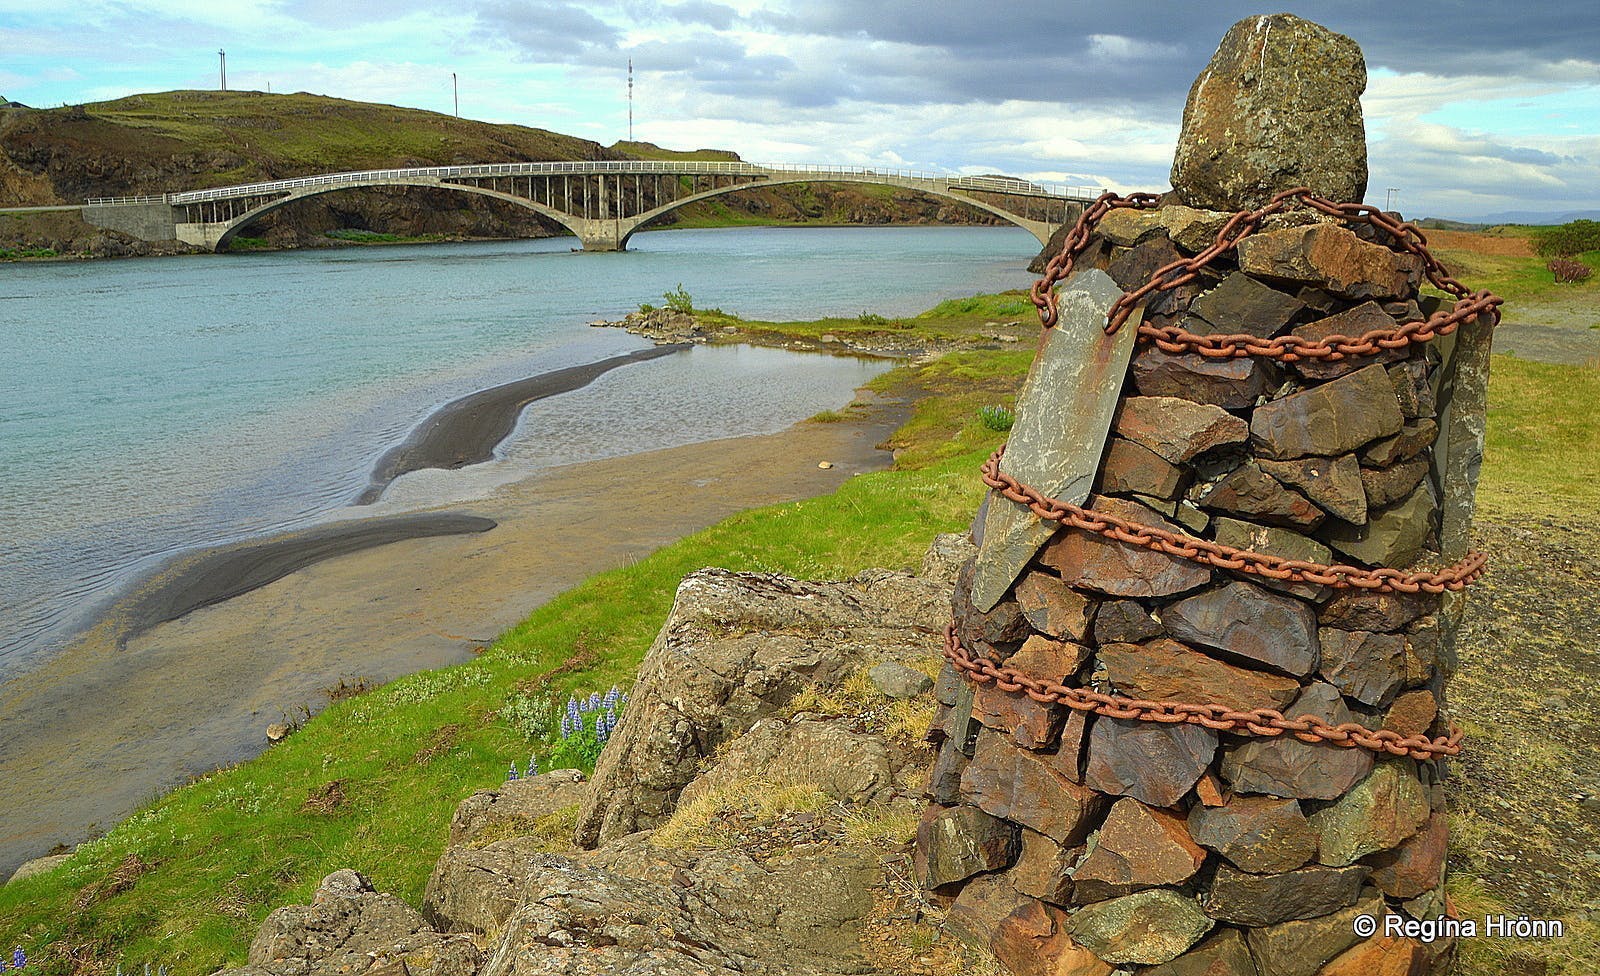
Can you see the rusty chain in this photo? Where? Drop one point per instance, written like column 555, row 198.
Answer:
column 1215, row 554
column 1264, row 722
column 1289, row 348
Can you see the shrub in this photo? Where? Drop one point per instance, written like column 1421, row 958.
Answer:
column 645, row 308
column 1568, row 272
column 678, row 300
column 871, row 318
column 1570, row 238
column 996, row 417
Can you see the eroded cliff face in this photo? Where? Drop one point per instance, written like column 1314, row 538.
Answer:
column 147, row 144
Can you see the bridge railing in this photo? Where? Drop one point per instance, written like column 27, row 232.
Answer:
column 126, row 201
column 989, row 184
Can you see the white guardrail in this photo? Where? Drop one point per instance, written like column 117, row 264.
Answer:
column 990, row 184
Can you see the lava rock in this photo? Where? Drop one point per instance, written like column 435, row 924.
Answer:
column 1269, row 899
column 1232, row 384
column 898, row 681
column 1138, row 847
column 1384, row 486
column 1332, row 258
column 1333, row 484
column 1367, row 667
column 1125, row 622
column 1334, row 418
column 1352, row 323
column 1147, row 927
column 1285, row 766
column 1240, row 305
column 957, row 843
column 1417, row 865
column 1179, row 429
column 1260, row 834
column 1394, row 536
column 1033, row 941
column 1165, row 670
column 1251, row 492
column 1094, row 562
column 1153, row 762
column 1052, row 608
column 1388, row 806
column 1133, row 468
column 1025, row 787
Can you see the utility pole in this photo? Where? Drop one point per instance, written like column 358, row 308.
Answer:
column 630, row 99
column 455, row 91
column 1389, row 201
column 223, row 55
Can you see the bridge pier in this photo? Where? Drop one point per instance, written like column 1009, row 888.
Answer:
column 603, row 235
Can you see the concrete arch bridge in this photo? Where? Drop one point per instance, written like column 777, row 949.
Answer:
column 603, row 203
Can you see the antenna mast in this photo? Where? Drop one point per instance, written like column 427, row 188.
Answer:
column 223, row 55
column 630, row 99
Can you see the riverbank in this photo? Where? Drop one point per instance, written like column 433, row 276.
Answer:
column 132, row 711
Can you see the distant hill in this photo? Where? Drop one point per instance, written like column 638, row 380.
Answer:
column 183, row 140
column 1533, row 217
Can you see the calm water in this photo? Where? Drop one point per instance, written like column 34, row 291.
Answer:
column 156, row 405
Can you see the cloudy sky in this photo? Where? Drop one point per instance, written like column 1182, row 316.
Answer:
column 1472, row 108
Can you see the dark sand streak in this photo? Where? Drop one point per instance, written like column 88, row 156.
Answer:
column 466, row 431
column 207, row 577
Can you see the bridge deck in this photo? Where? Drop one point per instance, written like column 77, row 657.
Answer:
column 910, row 178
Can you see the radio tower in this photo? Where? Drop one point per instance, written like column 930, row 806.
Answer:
column 630, row 99
column 223, row 55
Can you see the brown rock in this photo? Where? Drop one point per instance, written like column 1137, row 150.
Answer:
column 944, row 781
column 1074, row 737
column 1246, row 621
column 1424, row 646
column 1412, row 713
column 1125, row 622
column 1240, row 305
column 1368, row 667
column 1258, row 122
column 1137, row 848
column 1033, row 941
column 1417, row 865
column 1414, row 438
column 1384, row 486
column 1388, row 806
column 1412, row 389
column 1133, row 468
column 1152, row 762
column 1025, row 787
column 1046, row 658
column 1044, row 868
column 1208, row 790
column 1354, row 609
column 1094, row 562
column 1228, row 383
column 1192, row 230
column 1133, row 267
column 995, row 634
column 1223, row 954
column 959, row 842
column 1393, row 536
column 1165, row 670
column 1383, row 955
column 1179, row 429
column 1333, row 484
column 1274, row 541
column 984, row 902
column 1352, row 323
column 1269, row 899
column 1127, row 226
column 1251, row 492
column 1052, row 608
column 1256, row 833
column 1026, row 723
column 1334, row 418
column 1285, row 766
column 1332, row 258
column 1303, row 946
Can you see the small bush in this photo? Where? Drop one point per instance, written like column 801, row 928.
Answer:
column 871, row 318
column 1570, row 238
column 1567, row 272
column 645, row 308
column 678, row 300
column 996, row 417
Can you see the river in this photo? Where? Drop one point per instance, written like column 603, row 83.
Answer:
column 154, row 406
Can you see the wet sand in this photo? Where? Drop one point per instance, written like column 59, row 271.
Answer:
column 124, row 715
column 466, row 431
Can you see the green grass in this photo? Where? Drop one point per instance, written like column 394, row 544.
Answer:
column 965, row 321
column 1520, row 279
column 1542, row 449
column 22, row 253
column 375, row 237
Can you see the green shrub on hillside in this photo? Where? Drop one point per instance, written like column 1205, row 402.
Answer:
column 1570, row 238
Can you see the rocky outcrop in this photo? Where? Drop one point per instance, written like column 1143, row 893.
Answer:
column 737, row 648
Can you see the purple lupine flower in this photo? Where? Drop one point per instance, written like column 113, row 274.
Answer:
column 572, row 723
column 511, row 774
column 533, row 768
column 602, row 728
column 594, row 701
column 19, row 958
column 610, row 700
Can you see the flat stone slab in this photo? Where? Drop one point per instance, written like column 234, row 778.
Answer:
column 1062, row 421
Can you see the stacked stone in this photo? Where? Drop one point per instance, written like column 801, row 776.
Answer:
column 1074, row 843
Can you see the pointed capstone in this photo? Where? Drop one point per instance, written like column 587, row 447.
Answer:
column 1279, row 106
column 1062, row 421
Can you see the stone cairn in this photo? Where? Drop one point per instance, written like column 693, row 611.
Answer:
column 1195, row 830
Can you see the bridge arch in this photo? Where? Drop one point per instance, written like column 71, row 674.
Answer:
column 234, row 226
column 1038, row 228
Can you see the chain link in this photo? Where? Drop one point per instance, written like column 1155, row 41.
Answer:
column 1454, row 577
column 1468, row 305
column 1264, row 722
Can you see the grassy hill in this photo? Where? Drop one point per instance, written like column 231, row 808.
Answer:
column 185, row 140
